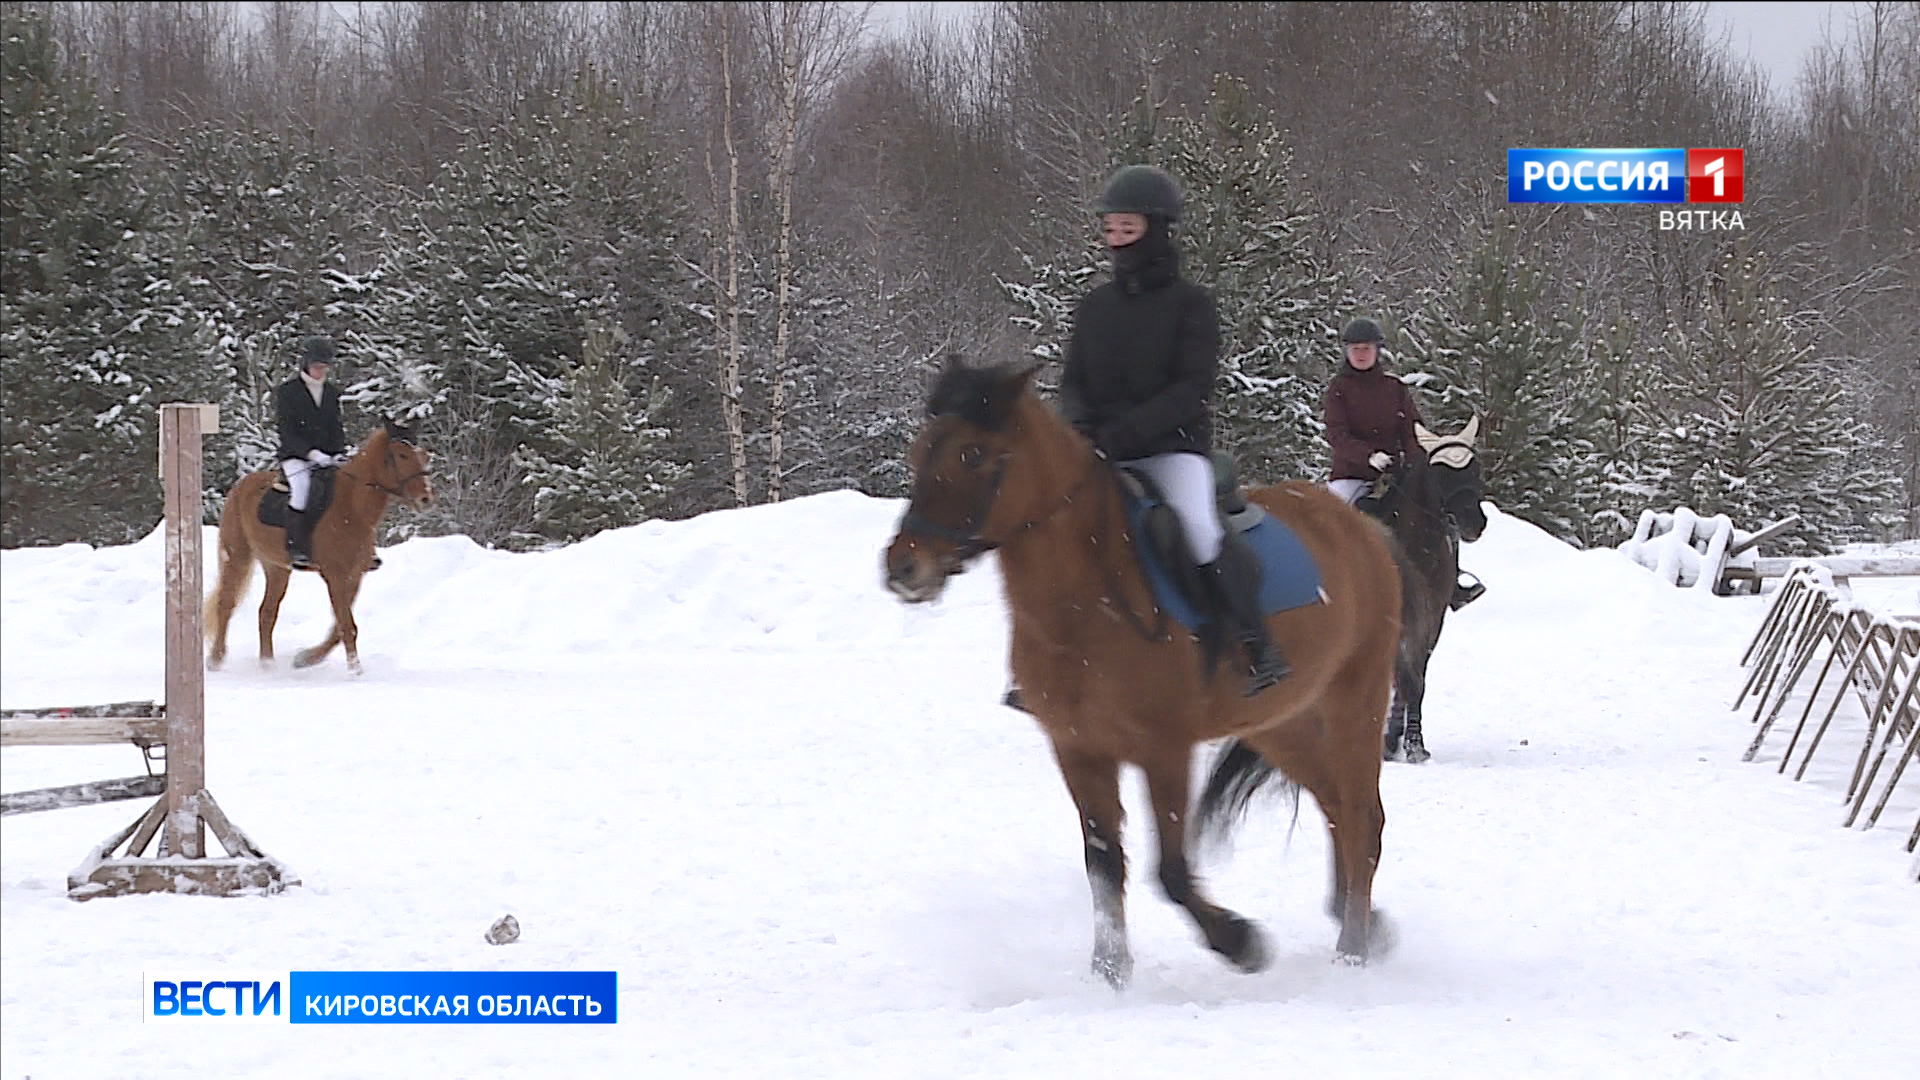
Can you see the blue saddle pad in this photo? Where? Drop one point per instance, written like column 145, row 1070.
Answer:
column 1289, row 578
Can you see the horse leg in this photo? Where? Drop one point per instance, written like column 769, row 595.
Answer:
column 236, row 569
column 1234, row 937
column 277, row 578
column 341, row 592
column 1410, row 695
column 1355, row 829
column 1396, row 721
column 1344, row 777
column 1093, row 780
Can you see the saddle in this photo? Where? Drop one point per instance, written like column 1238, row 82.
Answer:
column 1162, row 531
column 273, row 501
column 1260, row 554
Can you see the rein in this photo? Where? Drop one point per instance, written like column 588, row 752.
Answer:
column 970, row 543
column 393, row 466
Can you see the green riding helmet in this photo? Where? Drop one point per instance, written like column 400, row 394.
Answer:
column 1360, row 330
column 1140, row 189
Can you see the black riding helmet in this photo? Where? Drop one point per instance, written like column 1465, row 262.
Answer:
column 317, row 349
column 1140, row 189
column 1362, row 330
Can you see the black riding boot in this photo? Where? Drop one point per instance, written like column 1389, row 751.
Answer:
column 300, row 539
column 1237, row 597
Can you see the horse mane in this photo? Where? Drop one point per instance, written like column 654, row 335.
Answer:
column 981, row 395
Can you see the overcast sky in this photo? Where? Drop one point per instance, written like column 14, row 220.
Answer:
column 1776, row 35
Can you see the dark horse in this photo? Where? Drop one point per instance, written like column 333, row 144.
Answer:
column 388, row 466
column 995, row 468
column 1428, row 505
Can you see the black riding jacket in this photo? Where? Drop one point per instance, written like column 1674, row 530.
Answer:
column 1142, row 358
column 305, row 426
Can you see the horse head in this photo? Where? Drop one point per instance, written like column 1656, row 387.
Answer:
column 967, row 494
column 403, row 468
column 1457, row 476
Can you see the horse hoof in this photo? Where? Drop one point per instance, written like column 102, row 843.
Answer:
column 1417, row 755
column 1349, row 959
column 304, row 660
column 215, row 663
column 354, row 668
column 1244, row 945
column 1115, row 967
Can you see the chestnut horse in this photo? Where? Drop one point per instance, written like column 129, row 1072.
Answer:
column 997, row 469
column 388, row 466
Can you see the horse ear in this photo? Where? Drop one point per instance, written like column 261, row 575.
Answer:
column 1428, row 440
column 1013, row 382
column 1473, row 428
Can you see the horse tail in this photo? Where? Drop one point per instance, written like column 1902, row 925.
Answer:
column 236, row 570
column 1238, row 774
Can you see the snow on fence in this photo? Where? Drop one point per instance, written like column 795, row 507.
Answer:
column 186, row 809
column 1879, row 663
column 1693, row 552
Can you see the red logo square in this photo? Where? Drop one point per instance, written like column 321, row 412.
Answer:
column 1716, row 176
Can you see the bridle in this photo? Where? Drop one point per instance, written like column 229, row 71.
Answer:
column 966, row 537
column 969, row 543
column 393, row 466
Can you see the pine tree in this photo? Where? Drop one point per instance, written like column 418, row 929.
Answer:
column 1754, row 425
column 1492, row 347
column 537, row 229
column 268, row 229
column 1620, row 378
column 609, row 472
column 94, row 329
column 1246, row 237
column 1248, row 231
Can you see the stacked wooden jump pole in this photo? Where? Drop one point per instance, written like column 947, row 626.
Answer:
column 1878, row 660
column 186, row 810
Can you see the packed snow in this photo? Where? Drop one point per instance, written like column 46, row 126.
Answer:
column 718, row 757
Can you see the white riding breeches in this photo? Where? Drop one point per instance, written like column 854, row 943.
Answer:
column 1186, row 482
column 1348, row 489
column 298, row 482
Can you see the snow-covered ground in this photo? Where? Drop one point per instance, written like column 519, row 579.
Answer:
column 717, row 757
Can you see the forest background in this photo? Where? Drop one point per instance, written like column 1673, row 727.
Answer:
column 623, row 261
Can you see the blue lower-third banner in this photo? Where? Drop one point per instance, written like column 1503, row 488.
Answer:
column 453, row 997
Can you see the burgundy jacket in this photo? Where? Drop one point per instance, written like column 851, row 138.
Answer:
column 1366, row 412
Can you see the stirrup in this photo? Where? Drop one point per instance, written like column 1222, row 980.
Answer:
column 1263, row 676
column 1465, row 594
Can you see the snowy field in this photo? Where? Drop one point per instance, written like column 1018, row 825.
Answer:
column 717, row 757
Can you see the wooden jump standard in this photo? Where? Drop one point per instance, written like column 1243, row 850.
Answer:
column 185, row 810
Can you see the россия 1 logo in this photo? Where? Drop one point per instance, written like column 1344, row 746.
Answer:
column 1635, row 177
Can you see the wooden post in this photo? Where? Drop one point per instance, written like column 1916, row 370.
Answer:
column 186, row 658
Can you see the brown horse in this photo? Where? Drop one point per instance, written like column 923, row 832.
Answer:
column 997, row 469
column 388, row 466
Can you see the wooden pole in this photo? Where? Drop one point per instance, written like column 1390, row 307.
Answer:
column 186, row 659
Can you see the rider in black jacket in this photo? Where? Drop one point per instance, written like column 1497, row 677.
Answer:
column 1138, row 381
column 307, row 408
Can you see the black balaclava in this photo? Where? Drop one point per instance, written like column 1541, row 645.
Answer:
column 1148, row 262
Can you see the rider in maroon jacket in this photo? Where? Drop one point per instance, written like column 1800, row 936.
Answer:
column 1370, row 417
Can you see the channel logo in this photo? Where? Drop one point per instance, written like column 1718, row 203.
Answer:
column 1716, row 176
column 219, row 999
column 386, row 997
column 1629, row 176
